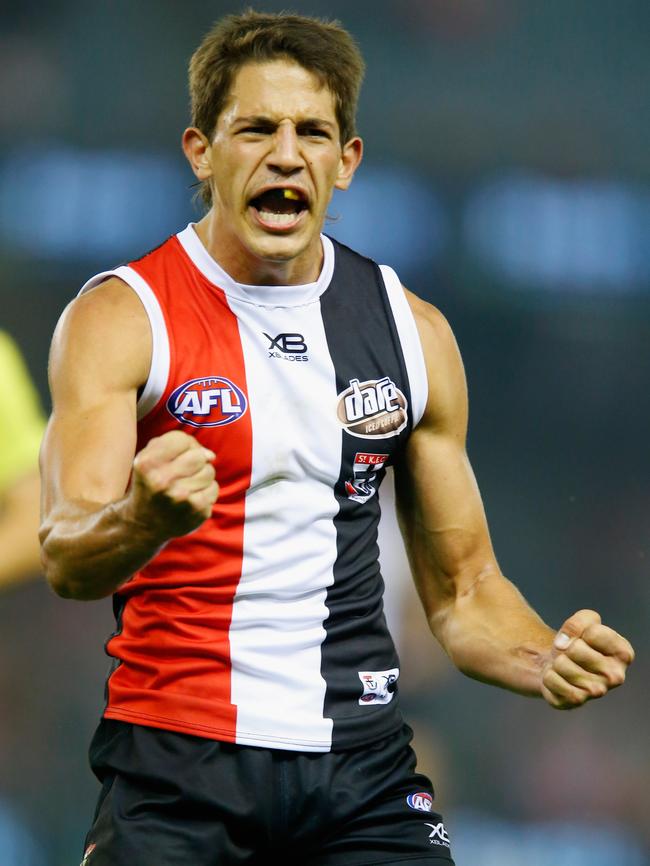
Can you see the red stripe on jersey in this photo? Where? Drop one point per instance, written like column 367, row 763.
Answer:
column 173, row 645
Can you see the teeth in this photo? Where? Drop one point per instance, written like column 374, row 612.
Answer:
column 291, row 194
column 278, row 219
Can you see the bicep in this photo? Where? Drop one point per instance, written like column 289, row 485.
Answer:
column 87, row 457
column 99, row 358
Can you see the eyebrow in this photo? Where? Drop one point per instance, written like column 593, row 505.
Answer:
column 263, row 120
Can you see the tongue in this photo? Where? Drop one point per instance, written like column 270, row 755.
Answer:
column 275, row 202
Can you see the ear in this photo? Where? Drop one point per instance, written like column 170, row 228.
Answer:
column 196, row 148
column 351, row 156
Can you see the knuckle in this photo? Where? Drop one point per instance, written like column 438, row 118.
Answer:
column 548, row 678
column 199, row 505
column 179, row 494
column 577, row 698
column 561, row 665
column 596, row 689
column 154, row 481
column 615, row 678
column 576, row 649
column 581, row 621
column 141, row 462
column 627, row 655
column 596, row 632
column 567, row 695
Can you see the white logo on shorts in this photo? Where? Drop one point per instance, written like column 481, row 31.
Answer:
column 378, row 686
column 438, row 835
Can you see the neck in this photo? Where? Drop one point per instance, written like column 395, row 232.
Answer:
column 247, row 268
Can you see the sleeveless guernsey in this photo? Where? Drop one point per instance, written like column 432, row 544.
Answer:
column 265, row 626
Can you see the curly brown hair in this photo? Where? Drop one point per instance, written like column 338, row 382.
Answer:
column 322, row 47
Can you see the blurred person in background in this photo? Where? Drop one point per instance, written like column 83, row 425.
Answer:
column 21, row 430
column 201, row 473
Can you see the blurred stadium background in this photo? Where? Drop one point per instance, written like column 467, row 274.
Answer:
column 507, row 179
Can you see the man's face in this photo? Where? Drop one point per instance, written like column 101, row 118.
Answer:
column 274, row 161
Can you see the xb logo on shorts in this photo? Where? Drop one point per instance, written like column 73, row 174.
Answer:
column 375, row 408
column 438, row 834
column 210, row 401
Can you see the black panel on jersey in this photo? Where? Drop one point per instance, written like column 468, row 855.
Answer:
column 364, row 345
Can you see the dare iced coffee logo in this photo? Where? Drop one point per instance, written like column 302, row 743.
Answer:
column 210, row 401
column 375, row 408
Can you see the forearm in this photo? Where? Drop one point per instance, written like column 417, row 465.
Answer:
column 493, row 635
column 89, row 550
column 19, row 551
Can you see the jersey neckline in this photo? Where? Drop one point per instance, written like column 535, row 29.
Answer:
column 262, row 296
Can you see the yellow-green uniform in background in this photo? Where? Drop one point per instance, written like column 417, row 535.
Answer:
column 21, row 418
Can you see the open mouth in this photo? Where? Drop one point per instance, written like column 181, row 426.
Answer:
column 280, row 207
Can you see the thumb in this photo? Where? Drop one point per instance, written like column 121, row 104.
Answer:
column 574, row 626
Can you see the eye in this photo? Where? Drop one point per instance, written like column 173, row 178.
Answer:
column 256, row 130
column 313, row 131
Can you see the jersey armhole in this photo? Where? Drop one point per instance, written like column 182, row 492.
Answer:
column 159, row 371
column 410, row 341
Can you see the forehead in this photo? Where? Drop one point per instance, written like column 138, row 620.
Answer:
column 278, row 89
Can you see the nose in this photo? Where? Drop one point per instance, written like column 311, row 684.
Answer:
column 285, row 156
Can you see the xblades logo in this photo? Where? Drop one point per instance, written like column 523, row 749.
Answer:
column 289, row 347
column 438, row 834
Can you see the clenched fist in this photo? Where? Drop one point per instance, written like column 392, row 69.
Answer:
column 587, row 660
column 173, row 486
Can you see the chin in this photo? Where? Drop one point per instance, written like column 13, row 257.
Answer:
column 280, row 248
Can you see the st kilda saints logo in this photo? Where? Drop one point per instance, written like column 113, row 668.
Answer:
column 289, row 347
column 210, row 401
column 375, row 408
column 361, row 487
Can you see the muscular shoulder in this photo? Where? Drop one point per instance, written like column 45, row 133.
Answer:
column 435, row 331
column 447, row 398
column 104, row 334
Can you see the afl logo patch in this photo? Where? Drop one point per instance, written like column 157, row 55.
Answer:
column 375, row 408
column 422, row 801
column 210, row 401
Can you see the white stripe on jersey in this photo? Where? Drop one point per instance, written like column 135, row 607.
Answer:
column 289, row 535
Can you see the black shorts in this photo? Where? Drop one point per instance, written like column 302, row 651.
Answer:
column 173, row 799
